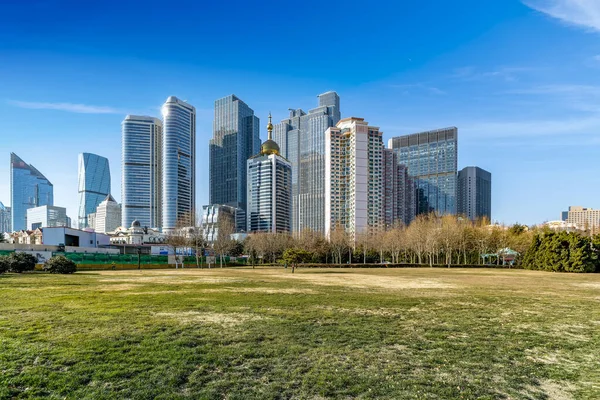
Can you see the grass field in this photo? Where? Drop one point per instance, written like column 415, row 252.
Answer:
column 268, row 334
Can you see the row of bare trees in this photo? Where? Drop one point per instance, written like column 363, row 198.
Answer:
column 429, row 240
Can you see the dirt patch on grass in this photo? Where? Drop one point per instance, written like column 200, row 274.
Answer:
column 589, row 285
column 174, row 280
column 551, row 390
column 266, row 290
column 224, row 319
column 373, row 281
column 116, row 288
column 380, row 312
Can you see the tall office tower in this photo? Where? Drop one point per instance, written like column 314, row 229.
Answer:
column 5, row 225
column 236, row 138
column 141, row 181
column 354, row 177
column 94, row 184
column 47, row 217
column 431, row 158
column 475, row 193
column 269, row 189
column 179, row 164
column 108, row 215
column 302, row 141
column 399, row 191
column 28, row 189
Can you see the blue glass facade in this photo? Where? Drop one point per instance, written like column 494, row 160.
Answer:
column 28, row 189
column 179, row 163
column 302, row 141
column 141, row 182
column 236, row 137
column 94, row 184
column 431, row 158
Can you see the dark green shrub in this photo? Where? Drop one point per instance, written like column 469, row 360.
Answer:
column 4, row 264
column 21, row 262
column 60, row 265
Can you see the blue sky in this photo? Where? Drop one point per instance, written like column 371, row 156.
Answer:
column 519, row 80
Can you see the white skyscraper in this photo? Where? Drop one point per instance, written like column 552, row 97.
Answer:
column 108, row 215
column 141, row 183
column 269, row 189
column 179, row 163
column 354, row 181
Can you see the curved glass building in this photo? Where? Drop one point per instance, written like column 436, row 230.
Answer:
column 179, row 163
column 28, row 189
column 94, row 185
column 141, row 181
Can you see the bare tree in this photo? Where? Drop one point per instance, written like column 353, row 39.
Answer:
column 223, row 243
column 338, row 242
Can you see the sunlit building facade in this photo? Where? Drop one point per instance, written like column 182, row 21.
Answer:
column 269, row 189
column 93, row 185
column 108, row 215
column 301, row 138
column 141, row 180
column 431, row 159
column 236, row 137
column 354, row 178
column 179, row 164
column 47, row 217
column 28, row 189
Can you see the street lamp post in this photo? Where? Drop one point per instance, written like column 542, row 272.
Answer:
column 139, row 253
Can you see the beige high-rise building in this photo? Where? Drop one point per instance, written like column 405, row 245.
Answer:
column 354, row 181
column 108, row 215
column 584, row 218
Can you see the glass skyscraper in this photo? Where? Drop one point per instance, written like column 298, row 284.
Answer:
column 302, row 141
column 5, row 225
column 179, row 163
column 28, row 189
column 236, row 137
column 475, row 193
column 141, row 183
column 94, row 184
column 431, row 158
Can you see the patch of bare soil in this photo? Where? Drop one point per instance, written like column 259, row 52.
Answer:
column 266, row 290
column 117, row 287
column 224, row 319
column 551, row 390
column 373, row 281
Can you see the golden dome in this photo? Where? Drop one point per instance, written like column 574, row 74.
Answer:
column 269, row 147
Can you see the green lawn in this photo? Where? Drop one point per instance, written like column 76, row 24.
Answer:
column 265, row 333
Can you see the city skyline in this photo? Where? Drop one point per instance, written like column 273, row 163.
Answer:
column 517, row 110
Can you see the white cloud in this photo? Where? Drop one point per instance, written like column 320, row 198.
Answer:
column 420, row 87
column 585, row 13
column 564, row 128
column 69, row 107
column 508, row 74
